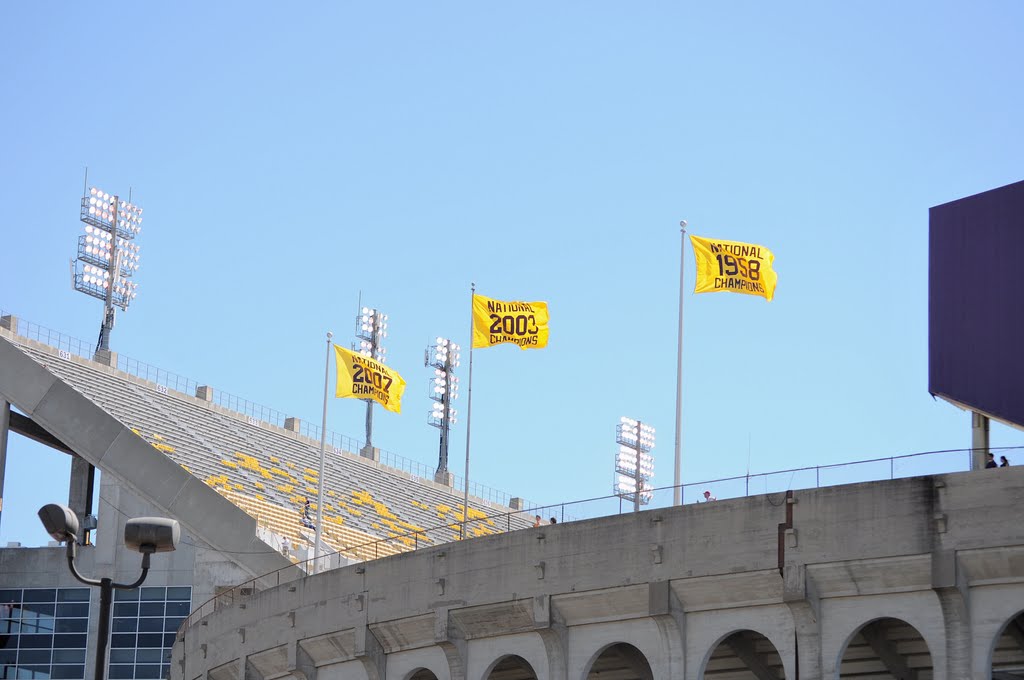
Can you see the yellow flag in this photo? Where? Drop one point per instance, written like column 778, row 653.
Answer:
column 361, row 377
column 733, row 267
column 497, row 321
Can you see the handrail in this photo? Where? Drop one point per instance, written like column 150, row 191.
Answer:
column 304, row 568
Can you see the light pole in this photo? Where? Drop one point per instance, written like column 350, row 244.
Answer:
column 146, row 535
column 443, row 357
column 371, row 329
column 107, row 255
column 634, row 466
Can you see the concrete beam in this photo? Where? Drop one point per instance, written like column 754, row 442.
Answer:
column 885, row 650
column 743, row 647
column 29, row 428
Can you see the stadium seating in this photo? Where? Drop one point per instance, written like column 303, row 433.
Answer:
column 270, row 472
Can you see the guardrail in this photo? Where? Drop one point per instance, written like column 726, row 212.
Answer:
column 250, row 409
column 779, row 481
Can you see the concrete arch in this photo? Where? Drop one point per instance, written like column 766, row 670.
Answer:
column 623, row 657
column 745, row 652
column 405, row 665
column 587, row 643
column 509, row 663
column 707, row 630
column 883, row 650
column 486, row 653
column 843, row 618
column 1007, row 649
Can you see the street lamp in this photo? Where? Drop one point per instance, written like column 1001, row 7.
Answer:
column 443, row 357
column 371, row 329
column 634, row 466
column 107, row 255
column 146, row 535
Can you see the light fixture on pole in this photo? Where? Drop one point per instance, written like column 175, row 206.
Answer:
column 107, row 255
column 371, row 329
column 443, row 357
column 146, row 535
column 634, row 466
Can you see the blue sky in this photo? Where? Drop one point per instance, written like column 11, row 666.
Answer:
column 291, row 157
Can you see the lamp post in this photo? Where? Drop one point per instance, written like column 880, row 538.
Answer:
column 107, row 255
column 634, row 466
column 443, row 357
column 371, row 329
column 146, row 535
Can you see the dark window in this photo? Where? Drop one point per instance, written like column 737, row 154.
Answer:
column 122, row 656
column 120, row 671
column 69, row 640
column 27, row 656
column 151, row 609
column 148, row 671
column 125, row 595
column 71, row 625
column 153, row 594
column 68, row 672
column 126, row 609
column 151, row 625
column 40, row 595
column 10, row 595
column 73, row 609
column 73, row 595
column 36, row 641
column 152, row 640
column 122, row 640
column 149, row 656
column 69, row 656
column 178, row 608
column 7, row 656
column 169, row 639
column 180, row 593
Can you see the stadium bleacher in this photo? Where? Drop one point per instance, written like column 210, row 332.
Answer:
column 270, row 472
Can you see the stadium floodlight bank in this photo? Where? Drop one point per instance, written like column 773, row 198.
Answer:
column 371, row 329
column 107, row 255
column 443, row 357
column 634, row 466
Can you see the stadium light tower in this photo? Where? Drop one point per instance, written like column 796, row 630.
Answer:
column 444, row 389
column 107, row 255
column 634, row 466
column 371, row 329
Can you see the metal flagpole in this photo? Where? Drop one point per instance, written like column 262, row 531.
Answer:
column 323, row 452
column 469, row 414
column 677, row 491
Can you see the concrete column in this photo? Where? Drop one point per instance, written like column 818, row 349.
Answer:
column 516, row 503
column 204, row 392
column 83, row 476
column 5, row 426
column 10, row 323
column 444, row 477
column 371, row 452
column 979, row 440
column 105, row 357
column 292, row 424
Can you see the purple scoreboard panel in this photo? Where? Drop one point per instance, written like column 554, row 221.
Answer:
column 976, row 302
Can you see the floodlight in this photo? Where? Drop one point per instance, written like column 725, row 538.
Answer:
column 443, row 357
column 634, row 466
column 151, row 534
column 107, row 246
column 370, row 332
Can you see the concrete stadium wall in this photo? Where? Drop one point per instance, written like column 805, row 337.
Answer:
column 945, row 554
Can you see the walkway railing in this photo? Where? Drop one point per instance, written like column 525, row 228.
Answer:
column 779, row 481
column 250, row 409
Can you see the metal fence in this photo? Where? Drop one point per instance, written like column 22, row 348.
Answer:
column 780, row 481
column 249, row 409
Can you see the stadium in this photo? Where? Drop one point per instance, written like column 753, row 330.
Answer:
column 905, row 577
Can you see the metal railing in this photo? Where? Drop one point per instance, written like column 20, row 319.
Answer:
column 874, row 469
column 249, row 409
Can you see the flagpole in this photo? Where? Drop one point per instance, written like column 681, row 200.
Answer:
column 469, row 414
column 677, row 491
column 323, row 452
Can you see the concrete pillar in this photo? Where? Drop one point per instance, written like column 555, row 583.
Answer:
column 444, row 477
column 105, row 357
column 83, row 477
column 292, row 424
column 10, row 323
column 371, row 452
column 5, row 426
column 979, row 440
column 204, row 392
column 516, row 503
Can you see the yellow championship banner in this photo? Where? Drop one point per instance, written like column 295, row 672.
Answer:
column 733, row 267
column 497, row 321
column 361, row 377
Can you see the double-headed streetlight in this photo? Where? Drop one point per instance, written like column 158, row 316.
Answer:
column 443, row 357
column 634, row 466
column 107, row 255
column 146, row 535
column 371, row 329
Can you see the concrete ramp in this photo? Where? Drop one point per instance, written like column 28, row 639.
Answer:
column 99, row 438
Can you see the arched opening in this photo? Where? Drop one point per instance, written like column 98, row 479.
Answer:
column 423, row 674
column 745, row 655
column 620, row 661
column 1008, row 651
column 886, row 649
column 512, row 667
